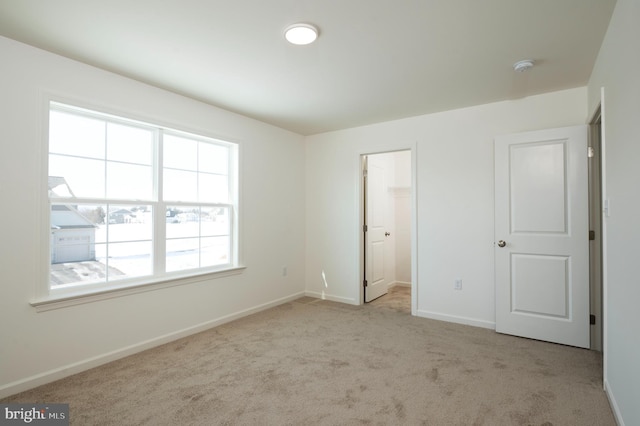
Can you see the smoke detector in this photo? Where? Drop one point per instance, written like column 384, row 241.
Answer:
column 522, row 66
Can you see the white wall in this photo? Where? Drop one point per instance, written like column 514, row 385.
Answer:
column 37, row 347
column 402, row 169
column 454, row 158
column 617, row 71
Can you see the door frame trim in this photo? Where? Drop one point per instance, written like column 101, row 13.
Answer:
column 599, row 112
column 595, row 225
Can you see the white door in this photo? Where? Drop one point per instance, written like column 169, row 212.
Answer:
column 541, row 235
column 375, row 220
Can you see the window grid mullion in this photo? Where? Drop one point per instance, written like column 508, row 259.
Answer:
column 107, row 242
column 159, row 227
column 198, row 143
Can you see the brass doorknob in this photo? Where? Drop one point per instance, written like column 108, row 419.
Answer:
column 502, row 243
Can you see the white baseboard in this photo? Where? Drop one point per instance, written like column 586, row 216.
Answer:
column 80, row 366
column 325, row 296
column 400, row 284
column 614, row 405
column 456, row 319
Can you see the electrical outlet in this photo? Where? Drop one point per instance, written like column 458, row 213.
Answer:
column 457, row 284
column 284, row 271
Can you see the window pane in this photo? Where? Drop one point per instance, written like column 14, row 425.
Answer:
column 97, row 214
column 129, row 144
column 183, row 222
column 83, row 177
column 180, row 153
column 76, row 135
column 81, row 248
column 130, row 223
column 73, row 245
column 129, row 182
column 215, row 251
column 129, row 260
column 182, row 254
column 215, row 222
column 213, row 188
column 213, row 158
column 180, row 186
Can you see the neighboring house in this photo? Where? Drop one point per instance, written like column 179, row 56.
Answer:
column 73, row 236
column 121, row 216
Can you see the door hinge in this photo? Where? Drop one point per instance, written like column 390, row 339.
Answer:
column 364, row 283
column 592, row 235
column 592, row 319
column 364, row 173
column 364, row 228
column 591, row 152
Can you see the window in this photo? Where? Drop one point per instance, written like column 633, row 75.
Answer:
column 133, row 203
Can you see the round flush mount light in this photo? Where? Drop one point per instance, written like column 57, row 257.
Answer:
column 522, row 66
column 301, row 34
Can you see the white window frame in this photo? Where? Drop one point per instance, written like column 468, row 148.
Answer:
column 48, row 298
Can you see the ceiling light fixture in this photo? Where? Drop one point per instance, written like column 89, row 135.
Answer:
column 301, row 34
column 522, row 66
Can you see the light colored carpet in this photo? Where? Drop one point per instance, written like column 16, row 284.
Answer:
column 314, row 362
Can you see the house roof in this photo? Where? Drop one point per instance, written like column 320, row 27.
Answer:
column 375, row 60
column 58, row 186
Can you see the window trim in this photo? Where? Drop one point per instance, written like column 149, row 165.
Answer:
column 70, row 298
column 45, row 298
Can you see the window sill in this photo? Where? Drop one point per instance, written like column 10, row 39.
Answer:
column 57, row 301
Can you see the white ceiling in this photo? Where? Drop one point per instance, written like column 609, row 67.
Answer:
column 375, row 60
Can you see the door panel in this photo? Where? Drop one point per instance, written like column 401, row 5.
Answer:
column 538, row 179
column 539, row 285
column 377, row 261
column 542, row 279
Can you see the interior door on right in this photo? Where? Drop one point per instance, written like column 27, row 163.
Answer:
column 541, row 235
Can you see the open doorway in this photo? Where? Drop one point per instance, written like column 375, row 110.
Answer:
column 386, row 230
